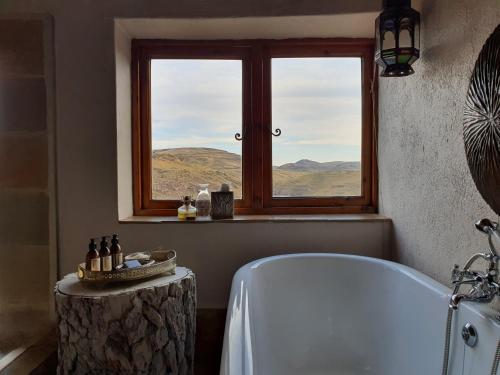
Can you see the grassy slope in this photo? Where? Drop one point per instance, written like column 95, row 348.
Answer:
column 307, row 184
column 177, row 172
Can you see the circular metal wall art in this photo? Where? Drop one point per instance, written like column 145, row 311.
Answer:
column 482, row 122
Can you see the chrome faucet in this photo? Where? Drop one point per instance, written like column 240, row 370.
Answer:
column 484, row 285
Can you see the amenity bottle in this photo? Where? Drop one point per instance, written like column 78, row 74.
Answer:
column 116, row 252
column 105, row 254
column 93, row 260
column 186, row 211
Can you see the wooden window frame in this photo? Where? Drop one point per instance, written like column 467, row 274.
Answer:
column 256, row 121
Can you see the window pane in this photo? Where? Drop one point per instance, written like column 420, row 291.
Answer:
column 316, row 102
column 196, row 108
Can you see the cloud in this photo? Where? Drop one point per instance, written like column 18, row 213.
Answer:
column 316, row 103
column 193, row 142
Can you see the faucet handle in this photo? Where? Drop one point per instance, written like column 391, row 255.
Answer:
column 466, row 282
column 455, row 273
column 491, row 275
column 458, row 276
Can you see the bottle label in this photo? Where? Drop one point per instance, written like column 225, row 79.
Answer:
column 117, row 259
column 106, row 263
column 95, row 264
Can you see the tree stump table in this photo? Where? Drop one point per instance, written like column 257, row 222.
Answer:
column 146, row 327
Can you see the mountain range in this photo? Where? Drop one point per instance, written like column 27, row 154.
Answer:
column 330, row 166
column 179, row 171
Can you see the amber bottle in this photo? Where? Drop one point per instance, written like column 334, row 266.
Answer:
column 116, row 252
column 105, row 254
column 92, row 260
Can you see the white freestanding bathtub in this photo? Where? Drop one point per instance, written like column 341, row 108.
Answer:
column 313, row 314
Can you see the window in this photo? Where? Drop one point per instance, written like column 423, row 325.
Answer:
column 287, row 123
column 317, row 103
column 192, row 128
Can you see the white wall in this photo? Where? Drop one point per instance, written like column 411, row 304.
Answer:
column 87, row 153
column 425, row 184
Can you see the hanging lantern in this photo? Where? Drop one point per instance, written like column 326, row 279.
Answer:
column 397, row 37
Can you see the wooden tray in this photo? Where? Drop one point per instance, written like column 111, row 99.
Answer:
column 123, row 275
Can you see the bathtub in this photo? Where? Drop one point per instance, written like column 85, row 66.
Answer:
column 318, row 314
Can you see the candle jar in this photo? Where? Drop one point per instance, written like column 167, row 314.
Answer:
column 203, row 201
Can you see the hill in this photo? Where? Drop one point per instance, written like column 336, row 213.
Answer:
column 179, row 171
column 314, row 166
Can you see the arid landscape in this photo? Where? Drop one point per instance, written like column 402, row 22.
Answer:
column 179, row 171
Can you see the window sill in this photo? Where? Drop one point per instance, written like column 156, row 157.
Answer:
column 259, row 219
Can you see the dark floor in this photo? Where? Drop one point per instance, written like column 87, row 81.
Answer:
column 209, row 336
column 47, row 367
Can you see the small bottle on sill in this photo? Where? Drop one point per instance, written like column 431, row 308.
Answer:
column 116, row 252
column 186, row 211
column 92, row 260
column 105, row 254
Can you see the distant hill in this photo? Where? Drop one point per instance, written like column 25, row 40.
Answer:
column 331, row 166
column 179, row 171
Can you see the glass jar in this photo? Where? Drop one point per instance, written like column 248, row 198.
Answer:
column 203, row 201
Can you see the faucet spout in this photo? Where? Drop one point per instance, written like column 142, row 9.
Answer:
column 456, row 299
column 482, row 292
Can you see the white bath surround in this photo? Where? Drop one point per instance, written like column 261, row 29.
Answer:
column 345, row 315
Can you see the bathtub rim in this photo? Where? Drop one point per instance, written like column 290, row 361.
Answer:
column 486, row 311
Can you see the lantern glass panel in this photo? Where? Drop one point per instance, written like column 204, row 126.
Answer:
column 405, row 39
column 416, row 35
column 389, row 41
column 389, row 56
column 404, row 57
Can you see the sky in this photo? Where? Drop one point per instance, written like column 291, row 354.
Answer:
column 316, row 102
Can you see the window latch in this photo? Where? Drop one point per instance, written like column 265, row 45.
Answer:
column 277, row 132
column 238, row 137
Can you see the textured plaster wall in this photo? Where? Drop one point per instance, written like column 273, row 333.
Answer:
column 87, row 168
column 425, row 184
